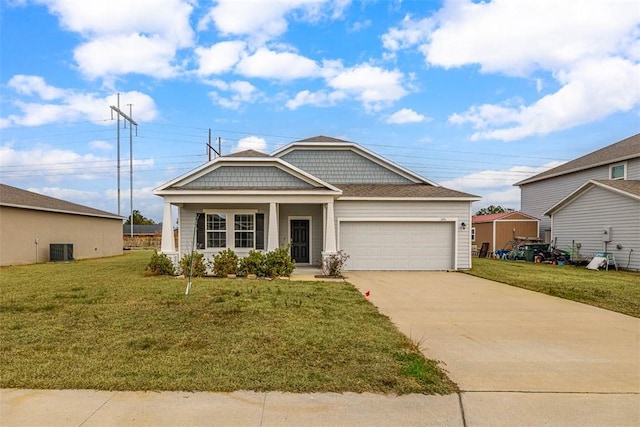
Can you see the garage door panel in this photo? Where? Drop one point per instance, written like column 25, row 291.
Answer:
column 398, row 245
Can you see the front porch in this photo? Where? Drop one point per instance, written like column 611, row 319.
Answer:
column 208, row 228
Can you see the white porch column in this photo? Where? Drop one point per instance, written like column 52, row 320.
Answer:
column 330, row 230
column 168, row 245
column 272, row 239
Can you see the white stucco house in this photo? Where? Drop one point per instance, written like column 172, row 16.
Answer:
column 320, row 195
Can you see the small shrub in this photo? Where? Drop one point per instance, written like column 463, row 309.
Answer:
column 278, row 262
column 334, row 264
column 225, row 262
column 199, row 269
column 252, row 264
column 160, row 265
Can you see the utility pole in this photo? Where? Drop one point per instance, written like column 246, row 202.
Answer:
column 132, row 122
column 131, row 165
column 209, row 147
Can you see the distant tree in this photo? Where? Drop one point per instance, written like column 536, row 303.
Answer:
column 493, row 210
column 139, row 219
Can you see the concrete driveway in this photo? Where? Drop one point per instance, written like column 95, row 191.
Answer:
column 518, row 356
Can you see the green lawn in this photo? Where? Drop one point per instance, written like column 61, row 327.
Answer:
column 614, row 290
column 103, row 324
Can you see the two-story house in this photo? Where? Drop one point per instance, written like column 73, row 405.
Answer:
column 591, row 204
column 320, row 195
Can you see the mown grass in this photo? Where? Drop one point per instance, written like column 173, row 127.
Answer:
column 613, row 290
column 103, row 324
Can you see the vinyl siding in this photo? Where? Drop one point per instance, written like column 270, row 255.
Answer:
column 408, row 209
column 585, row 217
column 633, row 169
column 314, row 211
column 342, row 166
column 248, row 176
column 538, row 197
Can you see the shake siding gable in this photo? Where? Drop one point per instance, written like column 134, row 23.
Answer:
column 585, row 217
column 342, row 166
column 247, row 176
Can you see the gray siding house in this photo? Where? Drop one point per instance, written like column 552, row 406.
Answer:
column 320, row 195
column 579, row 200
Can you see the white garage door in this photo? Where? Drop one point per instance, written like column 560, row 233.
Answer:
column 398, row 245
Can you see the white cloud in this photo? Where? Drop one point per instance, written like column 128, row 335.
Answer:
column 101, row 145
column 590, row 49
column 69, row 105
column 36, row 86
column 126, row 37
column 241, row 92
column 268, row 64
column 405, row 115
column 53, row 164
column 123, row 54
column 251, row 143
column 219, row 58
column 266, row 20
column 318, row 99
column 373, row 86
column 495, row 186
column 592, row 90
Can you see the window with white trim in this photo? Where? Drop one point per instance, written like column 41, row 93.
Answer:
column 473, row 234
column 244, row 230
column 216, row 229
column 618, row 171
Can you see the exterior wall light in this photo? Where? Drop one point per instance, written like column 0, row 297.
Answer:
column 463, row 226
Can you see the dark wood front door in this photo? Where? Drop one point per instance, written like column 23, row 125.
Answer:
column 300, row 240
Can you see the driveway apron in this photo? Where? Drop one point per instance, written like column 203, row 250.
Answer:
column 510, row 342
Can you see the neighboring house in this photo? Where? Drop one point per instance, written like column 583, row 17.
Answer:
column 31, row 222
column 501, row 229
column 320, row 195
column 144, row 235
column 600, row 216
column 579, row 200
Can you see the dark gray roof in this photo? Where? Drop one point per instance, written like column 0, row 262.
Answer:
column 248, row 153
column 628, row 148
column 631, row 186
column 140, row 229
column 400, row 191
column 18, row 198
column 322, row 138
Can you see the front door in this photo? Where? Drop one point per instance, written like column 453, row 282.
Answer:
column 300, row 240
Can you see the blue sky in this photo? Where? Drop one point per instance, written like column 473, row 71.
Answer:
column 472, row 95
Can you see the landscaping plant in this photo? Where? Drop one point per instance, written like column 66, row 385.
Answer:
column 160, row 265
column 199, row 268
column 278, row 262
column 225, row 262
column 334, row 264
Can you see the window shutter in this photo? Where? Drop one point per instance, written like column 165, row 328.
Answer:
column 260, row 231
column 200, row 232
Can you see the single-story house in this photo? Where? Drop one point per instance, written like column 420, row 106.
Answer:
column 501, row 230
column 319, row 195
column 31, row 223
column 590, row 204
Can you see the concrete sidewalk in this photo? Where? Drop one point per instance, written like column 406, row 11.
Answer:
column 103, row 408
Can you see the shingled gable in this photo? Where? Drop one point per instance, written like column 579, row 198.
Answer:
column 414, row 187
column 628, row 148
column 23, row 199
column 204, row 178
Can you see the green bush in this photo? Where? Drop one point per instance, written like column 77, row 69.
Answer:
column 160, row 265
column 252, row 264
column 199, row 269
column 278, row 262
column 225, row 262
